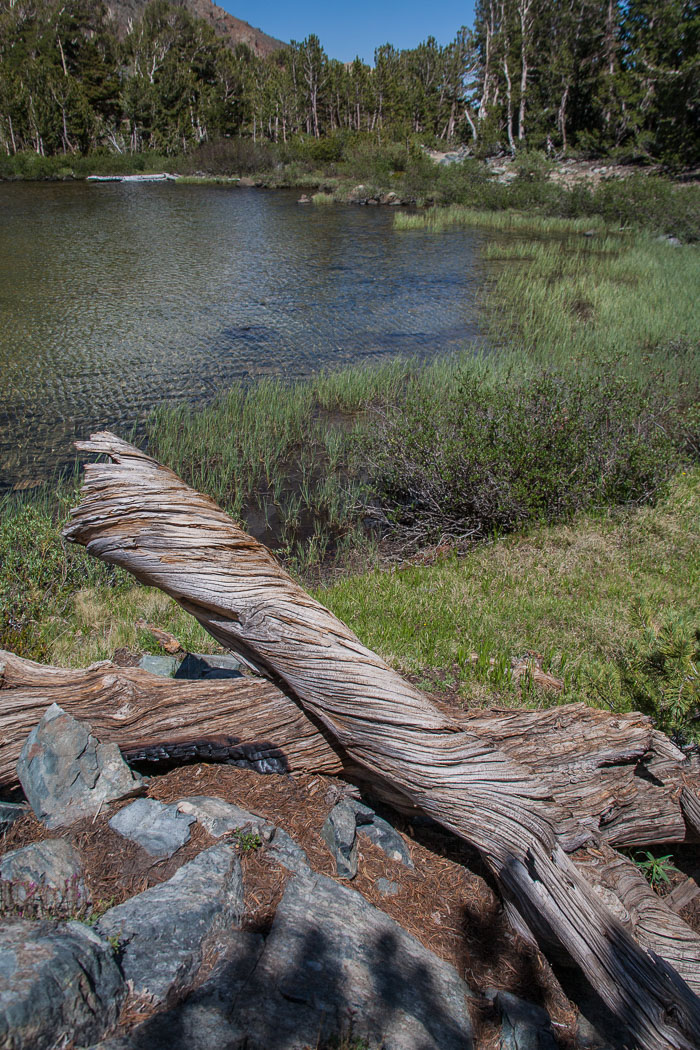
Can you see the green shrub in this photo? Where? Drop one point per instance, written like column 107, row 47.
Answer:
column 497, row 453
column 661, row 674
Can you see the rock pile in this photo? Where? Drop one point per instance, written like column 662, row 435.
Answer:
column 178, row 965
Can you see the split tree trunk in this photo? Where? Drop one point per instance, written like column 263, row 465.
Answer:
column 137, row 514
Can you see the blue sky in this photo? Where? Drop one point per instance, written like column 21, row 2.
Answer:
column 358, row 27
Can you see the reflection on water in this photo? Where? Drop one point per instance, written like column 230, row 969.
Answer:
column 116, row 297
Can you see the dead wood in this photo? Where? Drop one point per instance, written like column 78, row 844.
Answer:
column 241, row 720
column 139, row 515
column 615, row 778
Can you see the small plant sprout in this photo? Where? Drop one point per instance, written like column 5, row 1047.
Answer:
column 656, row 870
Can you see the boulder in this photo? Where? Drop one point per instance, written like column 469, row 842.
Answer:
column 524, row 1026
column 67, row 774
column 158, row 828
column 162, row 932
column 45, row 877
column 56, row 980
column 334, row 966
column 333, row 969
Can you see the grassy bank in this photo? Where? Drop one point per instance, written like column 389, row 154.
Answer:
column 335, row 167
column 584, row 411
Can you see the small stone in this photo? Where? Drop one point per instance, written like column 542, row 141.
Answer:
column 10, row 812
column 54, row 979
column 164, row 666
column 386, row 887
column 219, row 817
column 158, row 828
column 162, row 931
column 45, row 877
column 338, row 832
column 67, row 774
column 381, row 833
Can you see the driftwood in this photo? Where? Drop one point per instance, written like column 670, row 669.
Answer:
column 137, row 514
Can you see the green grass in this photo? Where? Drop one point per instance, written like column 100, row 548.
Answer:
column 569, row 592
column 438, row 219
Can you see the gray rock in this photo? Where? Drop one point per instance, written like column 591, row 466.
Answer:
column 339, row 833
column 202, row 1021
column 158, row 828
column 335, row 965
column 67, row 774
column 673, row 242
column 164, row 666
column 204, row 665
column 287, row 853
column 386, row 887
column 56, row 979
column 524, row 1026
column 381, row 833
column 10, row 812
column 162, row 931
column 219, row 817
column 44, row 877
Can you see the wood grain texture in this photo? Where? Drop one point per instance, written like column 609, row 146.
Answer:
column 139, row 515
column 251, row 719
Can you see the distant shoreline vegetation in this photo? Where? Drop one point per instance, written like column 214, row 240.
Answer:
column 614, row 79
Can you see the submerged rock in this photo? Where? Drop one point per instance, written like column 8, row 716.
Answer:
column 67, row 774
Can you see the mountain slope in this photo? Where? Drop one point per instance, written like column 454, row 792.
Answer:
column 122, row 12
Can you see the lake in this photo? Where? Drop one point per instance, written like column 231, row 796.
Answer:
column 117, row 297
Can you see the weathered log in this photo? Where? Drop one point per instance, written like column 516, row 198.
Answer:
column 615, row 778
column 246, row 721
column 139, row 515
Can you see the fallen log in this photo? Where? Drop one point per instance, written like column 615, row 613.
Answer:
column 246, row 721
column 615, row 778
column 139, row 515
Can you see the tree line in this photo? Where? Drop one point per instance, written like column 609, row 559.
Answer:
column 594, row 76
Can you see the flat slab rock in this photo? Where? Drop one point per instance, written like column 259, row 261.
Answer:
column 67, row 774
column 332, row 965
column 162, row 931
column 159, row 828
column 44, row 876
column 55, row 978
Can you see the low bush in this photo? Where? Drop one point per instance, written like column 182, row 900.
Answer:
column 494, row 454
